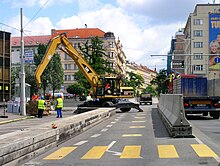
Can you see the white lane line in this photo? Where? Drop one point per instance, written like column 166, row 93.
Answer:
column 95, row 135
column 114, row 152
column 200, row 142
column 80, row 143
column 113, row 122
column 104, row 130
column 109, row 126
column 116, row 119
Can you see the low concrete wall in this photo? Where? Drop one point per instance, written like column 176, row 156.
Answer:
column 213, row 87
column 29, row 143
column 172, row 114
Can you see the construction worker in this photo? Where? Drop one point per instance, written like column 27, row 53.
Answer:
column 172, row 76
column 59, row 106
column 89, row 98
column 41, row 107
column 177, row 75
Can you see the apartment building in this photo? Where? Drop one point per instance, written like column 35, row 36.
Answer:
column 5, row 58
column 202, row 27
column 31, row 44
column 143, row 71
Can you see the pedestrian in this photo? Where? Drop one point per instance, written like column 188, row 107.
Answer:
column 59, row 106
column 89, row 98
column 41, row 107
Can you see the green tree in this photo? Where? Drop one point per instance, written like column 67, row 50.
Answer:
column 53, row 73
column 134, row 81
column 96, row 57
column 150, row 89
column 75, row 89
column 161, row 82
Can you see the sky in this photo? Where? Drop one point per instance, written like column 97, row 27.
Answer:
column 144, row 27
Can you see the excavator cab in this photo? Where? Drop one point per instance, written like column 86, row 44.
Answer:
column 108, row 86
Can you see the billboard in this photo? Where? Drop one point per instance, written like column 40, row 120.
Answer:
column 28, row 56
column 214, row 41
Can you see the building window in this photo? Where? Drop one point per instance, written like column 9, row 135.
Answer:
column 67, row 66
column 198, row 45
column 111, row 44
column 198, row 21
column 198, row 56
column 75, row 67
column 67, row 77
column 112, row 54
column 75, row 45
column 198, row 33
column 198, row 67
column 67, row 57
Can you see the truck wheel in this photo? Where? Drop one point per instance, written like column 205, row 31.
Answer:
column 125, row 109
column 150, row 103
column 215, row 115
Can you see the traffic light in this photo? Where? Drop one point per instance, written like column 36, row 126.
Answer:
column 182, row 64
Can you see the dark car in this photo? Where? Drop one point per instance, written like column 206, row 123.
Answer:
column 145, row 98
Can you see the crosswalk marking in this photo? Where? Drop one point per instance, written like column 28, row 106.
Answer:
column 95, row 153
column 95, row 135
column 136, row 127
column 131, row 152
column 138, row 121
column 131, row 135
column 60, row 153
column 203, row 150
column 167, row 151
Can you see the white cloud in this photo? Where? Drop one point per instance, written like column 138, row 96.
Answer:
column 138, row 43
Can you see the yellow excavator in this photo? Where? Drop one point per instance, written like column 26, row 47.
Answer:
column 114, row 95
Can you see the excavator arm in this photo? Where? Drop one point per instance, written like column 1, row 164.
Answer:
column 65, row 45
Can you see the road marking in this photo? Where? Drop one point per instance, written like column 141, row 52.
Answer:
column 61, row 153
column 116, row 119
column 109, row 126
column 138, row 117
column 95, row 135
column 203, row 150
column 200, row 142
column 167, row 151
column 111, row 144
column 104, row 130
column 131, row 152
column 131, row 135
column 114, row 152
column 80, row 143
column 95, row 153
column 141, row 121
column 136, row 127
column 113, row 122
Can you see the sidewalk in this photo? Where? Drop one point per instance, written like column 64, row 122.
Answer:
column 15, row 117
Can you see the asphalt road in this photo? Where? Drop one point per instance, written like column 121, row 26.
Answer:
column 132, row 138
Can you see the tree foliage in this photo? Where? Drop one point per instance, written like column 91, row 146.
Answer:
column 150, row 89
column 134, row 81
column 161, row 82
column 53, row 73
column 94, row 53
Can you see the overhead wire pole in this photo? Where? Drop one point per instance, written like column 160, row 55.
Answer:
column 22, row 74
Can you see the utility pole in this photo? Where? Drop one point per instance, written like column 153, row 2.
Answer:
column 22, row 74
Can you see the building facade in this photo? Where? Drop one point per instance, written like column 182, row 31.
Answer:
column 202, row 27
column 5, row 59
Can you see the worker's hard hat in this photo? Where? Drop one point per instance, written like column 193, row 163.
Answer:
column 42, row 97
column 172, row 71
column 177, row 72
column 59, row 96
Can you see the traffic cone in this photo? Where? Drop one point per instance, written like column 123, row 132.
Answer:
column 54, row 126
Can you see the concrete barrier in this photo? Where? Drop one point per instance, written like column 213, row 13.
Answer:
column 24, row 145
column 172, row 113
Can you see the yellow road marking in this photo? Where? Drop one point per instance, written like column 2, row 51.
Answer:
column 167, row 151
column 131, row 135
column 131, row 152
column 141, row 121
column 61, row 153
column 135, row 127
column 203, row 150
column 95, row 153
